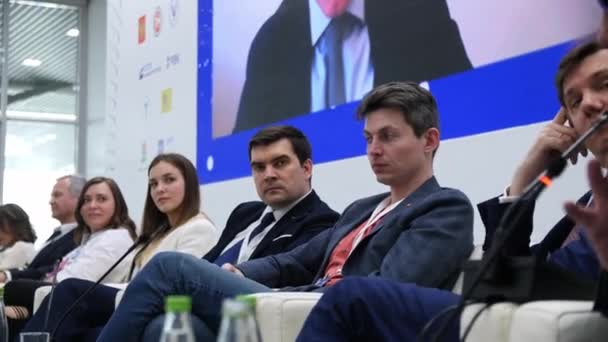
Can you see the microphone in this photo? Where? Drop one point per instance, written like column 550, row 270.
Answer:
column 514, row 213
column 511, row 278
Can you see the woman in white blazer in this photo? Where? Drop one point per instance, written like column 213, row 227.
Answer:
column 17, row 237
column 172, row 221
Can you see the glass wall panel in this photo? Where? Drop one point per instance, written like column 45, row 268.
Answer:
column 37, row 153
column 42, row 105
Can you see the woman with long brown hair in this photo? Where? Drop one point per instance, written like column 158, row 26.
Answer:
column 104, row 233
column 172, row 221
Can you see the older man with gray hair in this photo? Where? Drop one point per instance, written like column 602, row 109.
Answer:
column 63, row 204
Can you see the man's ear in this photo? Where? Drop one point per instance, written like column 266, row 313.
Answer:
column 431, row 137
column 307, row 166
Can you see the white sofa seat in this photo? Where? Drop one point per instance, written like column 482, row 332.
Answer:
column 44, row 291
column 281, row 315
column 493, row 324
column 540, row 321
column 558, row 321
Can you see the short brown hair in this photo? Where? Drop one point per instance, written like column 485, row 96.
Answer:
column 120, row 217
column 299, row 143
column 417, row 104
column 570, row 62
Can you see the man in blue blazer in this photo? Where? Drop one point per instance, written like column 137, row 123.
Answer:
column 390, row 40
column 63, row 203
column 281, row 159
column 356, row 308
column 417, row 232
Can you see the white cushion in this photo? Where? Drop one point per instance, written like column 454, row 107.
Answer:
column 541, row 321
column 558, row 321
column 43, row 291
column 493, row 324
column 39, row 296
column 281, row 315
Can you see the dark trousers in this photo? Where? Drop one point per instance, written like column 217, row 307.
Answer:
column 20, row 293
column 85, row 321
column 372, row 309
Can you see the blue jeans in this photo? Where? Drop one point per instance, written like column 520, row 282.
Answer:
column 373, row 309
column 171, row 273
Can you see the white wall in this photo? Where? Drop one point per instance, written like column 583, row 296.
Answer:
column 479, row 165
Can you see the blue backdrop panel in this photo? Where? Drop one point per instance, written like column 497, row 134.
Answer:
column 512, row 92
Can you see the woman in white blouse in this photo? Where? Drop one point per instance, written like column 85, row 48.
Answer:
column 17, row 237
column 104, row 233
column 172, row 221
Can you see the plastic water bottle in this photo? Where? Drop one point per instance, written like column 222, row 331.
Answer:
column 3, row 321
column 238, row 321
column 177, row 327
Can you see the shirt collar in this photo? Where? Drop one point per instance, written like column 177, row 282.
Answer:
column 67, row 227
column 319, row 21
column 280, row 212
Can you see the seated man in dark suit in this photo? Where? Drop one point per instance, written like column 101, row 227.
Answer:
column 417, row 232
column 581, row 82
column 290, row 212
column 63, row 203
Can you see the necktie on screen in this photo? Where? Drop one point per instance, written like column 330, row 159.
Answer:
column 331, row 46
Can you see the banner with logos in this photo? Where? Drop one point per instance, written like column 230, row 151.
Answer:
column 152, row 78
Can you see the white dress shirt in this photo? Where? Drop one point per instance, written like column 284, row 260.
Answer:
column 95, row 255
column 249, row 245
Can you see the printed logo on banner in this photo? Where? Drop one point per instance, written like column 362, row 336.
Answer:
column 146, row 106
column 173, row 8
column 173, row 60
column 166, row 100
column 148, row 70
column 141, row 29
column 165, row 145
column 144, row 153
column 158, row 21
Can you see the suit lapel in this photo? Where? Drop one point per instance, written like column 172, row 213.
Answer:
column 288, row 220
column 403, row 209
column 362, row 212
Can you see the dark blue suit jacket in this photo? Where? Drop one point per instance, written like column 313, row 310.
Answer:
column 424, row 240
column 409, row 40
column 577, row 256
column 305, row 220
column 46, row 258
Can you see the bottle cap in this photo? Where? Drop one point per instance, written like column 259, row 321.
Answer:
column 250, row 300
column 178, row 304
